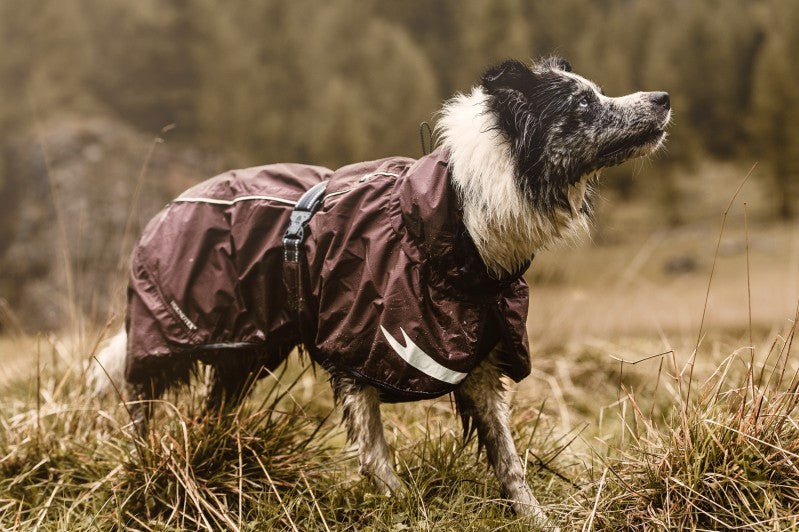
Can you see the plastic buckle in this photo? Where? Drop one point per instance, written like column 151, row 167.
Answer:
column 297, row 222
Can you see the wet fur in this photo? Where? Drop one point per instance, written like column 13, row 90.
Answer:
column 525, row 146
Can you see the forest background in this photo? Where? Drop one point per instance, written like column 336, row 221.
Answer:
column 86, row 85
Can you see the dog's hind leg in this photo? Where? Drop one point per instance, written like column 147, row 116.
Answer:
column 361, row 406
column 481, row 400
column 235, row 373
column 140, row 402
column 143, row 392
column 228, row 389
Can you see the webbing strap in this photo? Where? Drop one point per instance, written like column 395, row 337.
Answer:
column 293, row 238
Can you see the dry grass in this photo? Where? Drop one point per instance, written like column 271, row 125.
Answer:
column 67, row 462
column 640, row 457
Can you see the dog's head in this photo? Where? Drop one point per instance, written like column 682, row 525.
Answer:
column 562, row 128
column 524, row 146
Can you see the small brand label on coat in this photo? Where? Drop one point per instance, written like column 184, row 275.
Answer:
column 185, row 319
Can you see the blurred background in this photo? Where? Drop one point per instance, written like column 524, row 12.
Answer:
column 109, row 108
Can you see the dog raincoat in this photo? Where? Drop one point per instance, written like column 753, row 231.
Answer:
column 393, row 289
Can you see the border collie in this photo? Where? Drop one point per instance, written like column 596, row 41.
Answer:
column 405, row 277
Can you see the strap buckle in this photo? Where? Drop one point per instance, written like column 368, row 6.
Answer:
column 308, row 204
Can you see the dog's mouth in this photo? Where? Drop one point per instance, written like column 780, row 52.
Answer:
column 637, row 145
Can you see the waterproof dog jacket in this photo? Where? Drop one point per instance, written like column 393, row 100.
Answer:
column 393, row 290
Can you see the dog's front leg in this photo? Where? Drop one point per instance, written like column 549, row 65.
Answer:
column 481, row 399
column 361, row 405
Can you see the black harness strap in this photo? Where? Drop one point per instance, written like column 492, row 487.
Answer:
column 293, row 238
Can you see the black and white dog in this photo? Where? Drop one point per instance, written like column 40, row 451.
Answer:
column 524, row 148
column 528, row 143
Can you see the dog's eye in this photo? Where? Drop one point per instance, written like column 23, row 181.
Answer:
column 582, row 103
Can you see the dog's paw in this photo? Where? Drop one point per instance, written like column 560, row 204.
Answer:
column 389, row 485
column 385, row 482
column 535, row 514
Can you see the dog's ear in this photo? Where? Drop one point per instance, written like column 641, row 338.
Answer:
column 509, row 75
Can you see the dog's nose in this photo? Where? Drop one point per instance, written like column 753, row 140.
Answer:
column 661, row 98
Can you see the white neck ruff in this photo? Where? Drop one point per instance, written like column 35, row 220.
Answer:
column 505, row 226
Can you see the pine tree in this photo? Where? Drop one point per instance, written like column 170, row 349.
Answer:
column 775, row 118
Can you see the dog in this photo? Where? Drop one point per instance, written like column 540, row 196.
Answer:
column 401, row 277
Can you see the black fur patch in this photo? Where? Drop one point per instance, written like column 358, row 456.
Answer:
column 529, row 104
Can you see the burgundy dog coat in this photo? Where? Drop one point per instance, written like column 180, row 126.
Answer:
column 393, row 290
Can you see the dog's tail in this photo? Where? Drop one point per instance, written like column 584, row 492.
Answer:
column 107, row 369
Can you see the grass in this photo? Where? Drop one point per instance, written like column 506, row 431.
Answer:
column 725, row 461
column 728, row 459
column 70, row 463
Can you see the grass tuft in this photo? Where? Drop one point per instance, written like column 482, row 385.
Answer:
column 729, row 460
column 726, row 459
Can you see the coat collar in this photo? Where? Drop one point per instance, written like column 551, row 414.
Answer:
column 427, row 208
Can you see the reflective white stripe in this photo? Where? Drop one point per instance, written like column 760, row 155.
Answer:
column 361, row 180
column 413, row 355
column 215, row 201
column 373, row 174
column 234, row 200
column 339, row 193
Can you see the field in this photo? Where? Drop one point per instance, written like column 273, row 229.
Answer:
column 663, row 395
